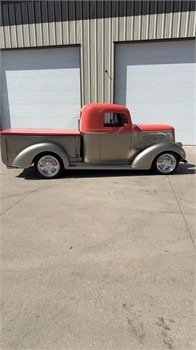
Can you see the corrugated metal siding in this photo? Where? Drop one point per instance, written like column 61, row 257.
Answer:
column 97, row 37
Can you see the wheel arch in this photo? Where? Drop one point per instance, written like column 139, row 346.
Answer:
column 168, row 151
column 144, row 160
column 26, row 157
column 44, row 153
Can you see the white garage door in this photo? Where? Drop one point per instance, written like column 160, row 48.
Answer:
column 156, row 82
column 40, row 88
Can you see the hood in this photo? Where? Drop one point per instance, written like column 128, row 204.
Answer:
column 153, row 128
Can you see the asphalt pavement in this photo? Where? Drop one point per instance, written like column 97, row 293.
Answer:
column 98, row 260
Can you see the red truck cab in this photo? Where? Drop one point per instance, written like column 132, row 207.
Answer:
column 109, row 134
column 105, row 118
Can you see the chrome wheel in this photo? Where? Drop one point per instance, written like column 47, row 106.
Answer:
column 48, row 166
column 166, row 163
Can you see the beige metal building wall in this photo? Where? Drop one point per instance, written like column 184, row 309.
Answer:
column 97, row 39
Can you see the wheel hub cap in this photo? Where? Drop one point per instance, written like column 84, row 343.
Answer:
column 48, row 166
column 166, row 163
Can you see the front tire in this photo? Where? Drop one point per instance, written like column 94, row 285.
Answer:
column 48, row 166
column 165, row 163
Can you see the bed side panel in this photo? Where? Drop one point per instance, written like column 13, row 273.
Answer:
column 16, row 143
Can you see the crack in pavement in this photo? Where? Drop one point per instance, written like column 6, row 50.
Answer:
column 190, row 234
column 20, row 200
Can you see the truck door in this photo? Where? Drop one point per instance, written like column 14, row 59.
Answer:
column 115, row 138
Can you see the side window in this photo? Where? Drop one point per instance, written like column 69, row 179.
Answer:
column 114, row 119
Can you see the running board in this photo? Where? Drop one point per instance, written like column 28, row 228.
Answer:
column 102, row 166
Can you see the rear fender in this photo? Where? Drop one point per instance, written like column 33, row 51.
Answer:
column 145, row 158
column 25, row 158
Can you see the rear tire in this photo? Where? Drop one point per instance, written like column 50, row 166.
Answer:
column 165, row 163
column 48, row 166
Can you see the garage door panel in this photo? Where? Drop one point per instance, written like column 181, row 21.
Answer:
column 156, row 60
column 136, row 96
column 63, row 123
column 37, row 83
column 21, row 73
column 48, row 98
column 141, row 70
column 24, row 66
column 149, row 69
column 156, row 82
column 40, row 84
column 160, row 95
column 149, row 51
column 147, row 82
column 170, row 81
column 186, row 136
column 120, row 96
column 161, row 83
column 182, row 53
column 40, row 111
column 151, row 114
column 46, row 56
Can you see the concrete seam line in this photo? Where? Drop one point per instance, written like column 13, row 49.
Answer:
column 13, row 205
column 190, row 234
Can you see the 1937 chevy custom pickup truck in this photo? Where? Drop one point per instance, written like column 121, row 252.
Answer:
column 106, row 139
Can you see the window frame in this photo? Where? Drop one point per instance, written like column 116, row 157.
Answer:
column 114, row 114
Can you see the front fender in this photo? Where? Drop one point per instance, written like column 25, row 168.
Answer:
column 24, row 159
column 145, row 158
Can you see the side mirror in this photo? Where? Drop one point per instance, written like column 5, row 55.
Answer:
column 126, row 125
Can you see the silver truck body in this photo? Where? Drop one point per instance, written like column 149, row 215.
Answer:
column 106, row 151
column 107, row 140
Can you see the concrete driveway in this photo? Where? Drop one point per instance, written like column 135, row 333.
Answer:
column 98, row 260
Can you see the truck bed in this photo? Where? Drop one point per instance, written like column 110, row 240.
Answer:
column 14, row 141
